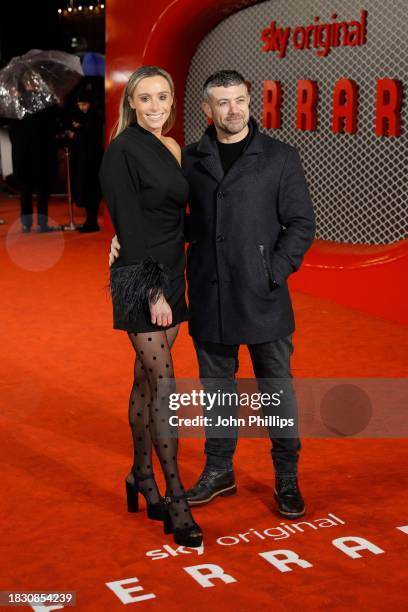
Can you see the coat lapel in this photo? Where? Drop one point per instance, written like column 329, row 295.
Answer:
column 210, row 157
column 212, row 164
column 241, row 166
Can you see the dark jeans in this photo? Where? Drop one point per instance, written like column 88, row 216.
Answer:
column 26, row 200
column 218, row 365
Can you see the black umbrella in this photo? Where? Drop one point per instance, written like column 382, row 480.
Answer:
column 38, row 79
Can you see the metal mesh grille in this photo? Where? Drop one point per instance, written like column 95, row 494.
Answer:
column 358, row 182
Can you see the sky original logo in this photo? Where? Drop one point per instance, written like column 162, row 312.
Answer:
column 320, row 36
column 209, row 575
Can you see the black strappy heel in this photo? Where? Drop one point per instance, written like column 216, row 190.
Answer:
column 188, row 535
column 155, row 511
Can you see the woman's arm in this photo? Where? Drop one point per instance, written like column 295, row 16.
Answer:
column 141, row 281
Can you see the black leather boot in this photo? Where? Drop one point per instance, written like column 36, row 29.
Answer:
column 289, row 497
column 210, row 484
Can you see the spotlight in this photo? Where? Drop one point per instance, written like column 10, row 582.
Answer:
column 59, row 11
column 91, row 8
column 79, row 8
column 69, row 9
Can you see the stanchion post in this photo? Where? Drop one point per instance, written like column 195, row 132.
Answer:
column 71, row 226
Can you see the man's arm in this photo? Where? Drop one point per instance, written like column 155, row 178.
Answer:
column 296, row 216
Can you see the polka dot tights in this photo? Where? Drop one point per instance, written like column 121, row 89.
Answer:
column 149, row 419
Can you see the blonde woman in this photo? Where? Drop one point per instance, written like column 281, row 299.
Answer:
column 146, row 194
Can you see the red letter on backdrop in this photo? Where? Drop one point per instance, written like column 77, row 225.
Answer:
column 388, row 107
column 345, row 106
column 306, row 117
column 272, row 95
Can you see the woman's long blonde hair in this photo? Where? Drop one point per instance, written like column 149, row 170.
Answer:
column 127, row 113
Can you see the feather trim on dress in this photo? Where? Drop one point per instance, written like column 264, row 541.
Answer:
column 136, row 286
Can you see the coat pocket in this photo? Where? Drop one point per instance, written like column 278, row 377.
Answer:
column 190, row 246
column 261, row 251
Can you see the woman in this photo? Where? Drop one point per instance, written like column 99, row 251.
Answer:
column 146, row 193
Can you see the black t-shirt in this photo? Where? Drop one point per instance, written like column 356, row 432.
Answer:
column 229, row 152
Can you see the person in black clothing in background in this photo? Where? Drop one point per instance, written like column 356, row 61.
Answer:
column 86, row 136
column 146, row 193
column 35, row 164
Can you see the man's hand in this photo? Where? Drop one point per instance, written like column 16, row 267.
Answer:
column 161, row 313
column 114, row 250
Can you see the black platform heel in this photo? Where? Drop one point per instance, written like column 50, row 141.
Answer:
column 184, row 536
column 155, row 511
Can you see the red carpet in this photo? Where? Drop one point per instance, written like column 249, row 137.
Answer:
column 66, row 447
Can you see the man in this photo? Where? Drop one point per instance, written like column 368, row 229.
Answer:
column 250, row 223
column 35, row 162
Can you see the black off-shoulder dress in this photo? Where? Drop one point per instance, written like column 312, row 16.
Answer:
column 146, row 193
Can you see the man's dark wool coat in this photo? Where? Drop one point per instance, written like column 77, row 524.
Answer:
column 247, row 231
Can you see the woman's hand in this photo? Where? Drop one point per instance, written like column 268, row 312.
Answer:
column 114, row 250
column 161, row 313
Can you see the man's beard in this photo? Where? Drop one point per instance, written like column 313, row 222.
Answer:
column 227, row 130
